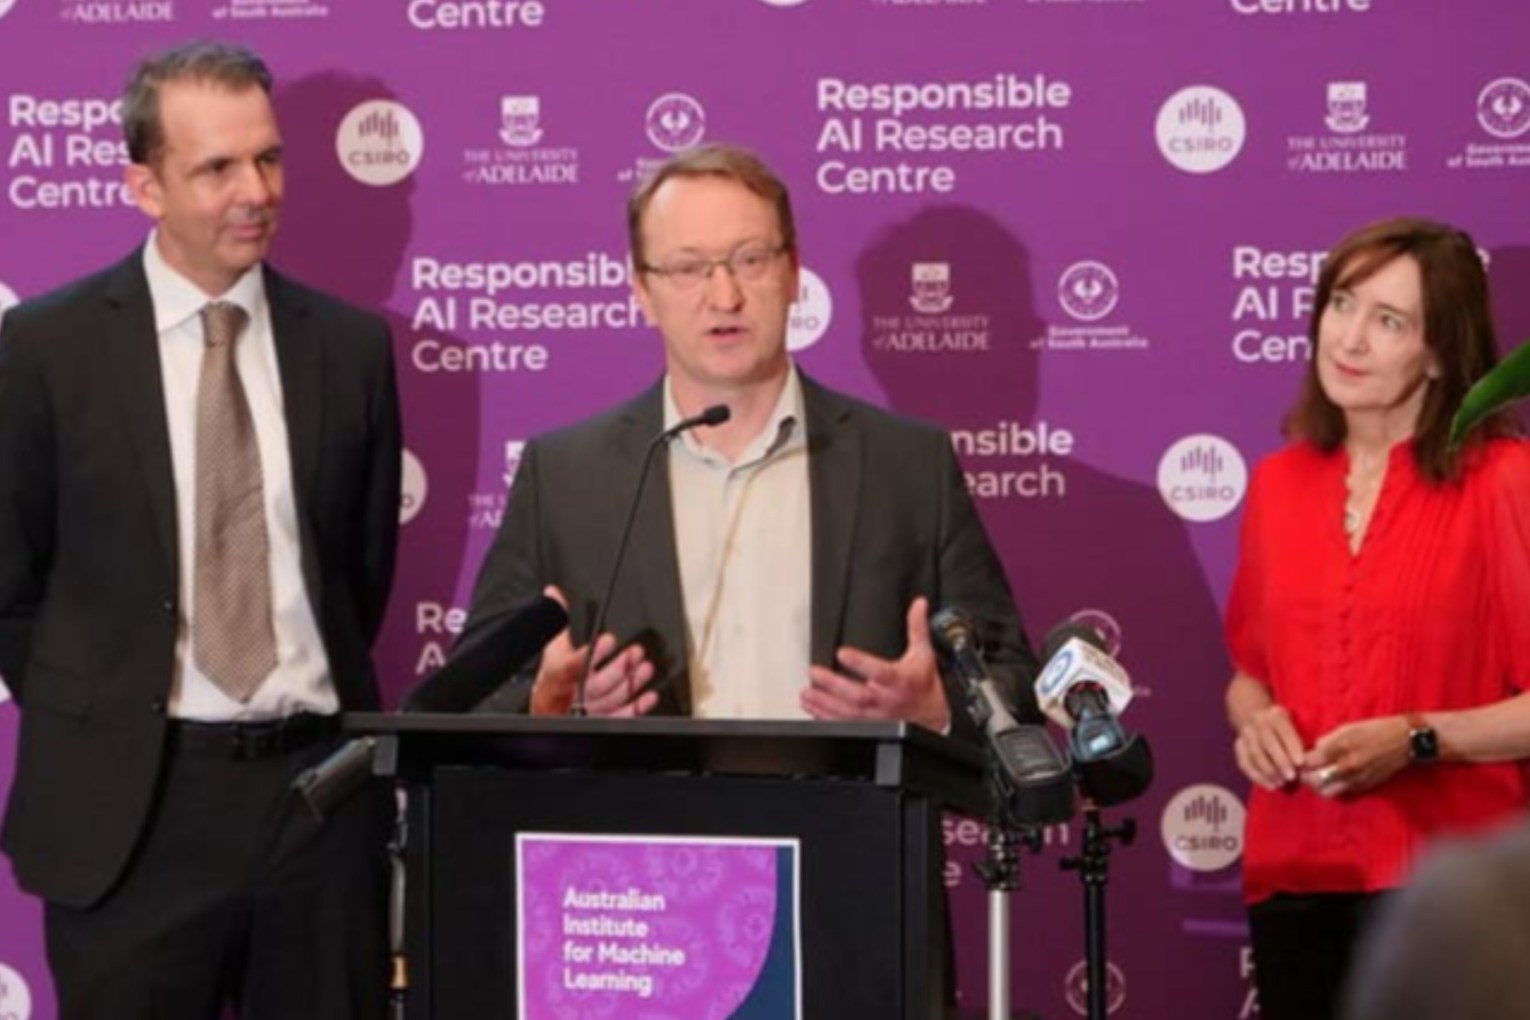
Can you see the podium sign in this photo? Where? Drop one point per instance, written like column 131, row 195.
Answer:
column 673, row 867
column 623, row 925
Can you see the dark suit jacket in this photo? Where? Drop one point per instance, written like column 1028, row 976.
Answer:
column 88, row 552
column 891, row 520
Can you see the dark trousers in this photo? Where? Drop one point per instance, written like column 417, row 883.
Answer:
column 236, row 897
column 1303, row 948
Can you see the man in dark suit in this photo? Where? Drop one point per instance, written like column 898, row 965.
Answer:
column 199, row 486
column 784, row 563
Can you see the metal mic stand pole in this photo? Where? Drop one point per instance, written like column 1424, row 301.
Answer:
column 398, row 982
column 1000, row 872
column 1093, row 867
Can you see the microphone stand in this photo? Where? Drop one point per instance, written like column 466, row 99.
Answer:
column 1093, row 867
column 714, row 415
column 1000, row 872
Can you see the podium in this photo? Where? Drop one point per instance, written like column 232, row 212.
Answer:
column 862, row 801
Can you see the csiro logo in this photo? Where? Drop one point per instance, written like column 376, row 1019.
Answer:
column 1503, row 108
column 1076, row 988
column 415, row 486
column 8, row 300
column 1202, row 827
column 1202, row 477
column 1200, row 129
column 15, row 997
column 675, row 121
column 1088, row 291
column 380, row 142
column 811, row 313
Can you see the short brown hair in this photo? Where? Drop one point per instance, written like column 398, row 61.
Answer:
column 730, row 162
column 1458, row 331
column 229, row 65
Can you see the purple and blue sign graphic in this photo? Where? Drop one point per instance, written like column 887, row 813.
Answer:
column 695, row 927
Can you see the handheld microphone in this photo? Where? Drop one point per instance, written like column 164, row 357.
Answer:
column 472, row 673
column 1034, row 776
column 714, row 415
column 1083, row 689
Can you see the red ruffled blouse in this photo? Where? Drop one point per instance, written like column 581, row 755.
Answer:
column 1432, row 614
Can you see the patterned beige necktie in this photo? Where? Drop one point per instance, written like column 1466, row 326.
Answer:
column 232, row 637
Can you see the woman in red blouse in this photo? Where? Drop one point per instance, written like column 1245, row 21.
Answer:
column 1380, row 618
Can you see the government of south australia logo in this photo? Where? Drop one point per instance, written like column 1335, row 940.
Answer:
column 1202, row 827
column 518, row 117
column 1076, row 988
column 1503, row 108
column 931, row 287
column 675, row 122
column 1346, row 107
column 1088, row 291
column 1200, row 129
column 1202, row 478
column 380, row 142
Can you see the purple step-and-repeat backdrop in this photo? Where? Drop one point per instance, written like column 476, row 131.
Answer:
column 1081, row 234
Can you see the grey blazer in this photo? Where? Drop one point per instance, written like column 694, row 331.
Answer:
column 891, row 520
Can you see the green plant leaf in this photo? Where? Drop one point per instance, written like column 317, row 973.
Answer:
column 1507, row 382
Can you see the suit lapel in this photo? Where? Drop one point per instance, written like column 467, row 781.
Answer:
column 300, row 363
column 133, row 354
column 834, row 480
column 653, row 555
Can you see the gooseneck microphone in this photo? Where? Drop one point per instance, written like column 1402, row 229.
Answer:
column 714, row 415
column 1033, row 773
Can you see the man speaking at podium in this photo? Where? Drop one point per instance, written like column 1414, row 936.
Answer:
column 783, row 563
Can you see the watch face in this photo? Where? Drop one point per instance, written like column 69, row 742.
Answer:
column 1424, row 745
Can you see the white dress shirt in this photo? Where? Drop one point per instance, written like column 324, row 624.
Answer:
column 743, row 532
column 301, row 680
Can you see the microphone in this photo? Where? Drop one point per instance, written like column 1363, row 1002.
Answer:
column 1033, row 776
column 473, row 672
column 714, row 415
column 1084, row 689
column 478, row 667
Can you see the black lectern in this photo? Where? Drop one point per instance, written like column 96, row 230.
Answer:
column 864, row 799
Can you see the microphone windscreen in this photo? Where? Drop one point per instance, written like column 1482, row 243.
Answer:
column 1067, row 631
column 1119, row 777
column 715, row 415
column 478, row 667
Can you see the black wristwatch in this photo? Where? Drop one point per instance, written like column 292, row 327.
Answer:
column 1423, row 743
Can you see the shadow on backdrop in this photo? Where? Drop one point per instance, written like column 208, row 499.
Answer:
column 350, row 239
column 1082, row 539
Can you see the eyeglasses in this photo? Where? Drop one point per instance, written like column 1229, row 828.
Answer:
column 747, row 265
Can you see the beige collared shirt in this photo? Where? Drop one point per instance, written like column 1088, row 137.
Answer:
column 743, row 532
column 301, row 680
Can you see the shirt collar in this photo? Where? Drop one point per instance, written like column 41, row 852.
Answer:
column 177, row 300
column 784, row 430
